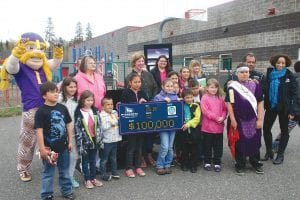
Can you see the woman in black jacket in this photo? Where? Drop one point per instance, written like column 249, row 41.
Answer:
column 280, row 93
column 161, row 70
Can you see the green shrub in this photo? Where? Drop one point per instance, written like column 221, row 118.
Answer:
column 10, row 112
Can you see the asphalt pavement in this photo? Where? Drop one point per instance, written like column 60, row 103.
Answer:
column 279, row 182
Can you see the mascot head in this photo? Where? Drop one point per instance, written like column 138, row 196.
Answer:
column 35, row 47
column 30, row 50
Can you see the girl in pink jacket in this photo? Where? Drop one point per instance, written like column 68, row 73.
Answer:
column 214, row 112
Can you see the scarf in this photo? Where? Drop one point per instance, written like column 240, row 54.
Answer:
column 274, row 85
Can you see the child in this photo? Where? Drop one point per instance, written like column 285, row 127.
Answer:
column 214, row 113
column 111, row 137
column 174, row 76
column 68, row 97
column 190, row 132
column 87, row 134
column 195, row 87
column 165, row 155
column 54, row 135
column 134, row 94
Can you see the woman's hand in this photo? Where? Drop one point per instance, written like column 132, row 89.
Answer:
column 233, row 123
column 259, row 124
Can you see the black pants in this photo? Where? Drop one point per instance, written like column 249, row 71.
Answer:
column 269, row 119
column 240, row 159
column 189, row 153
column 134, row 151
column 213, row 145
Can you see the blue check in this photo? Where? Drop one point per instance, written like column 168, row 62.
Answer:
column 150, row 117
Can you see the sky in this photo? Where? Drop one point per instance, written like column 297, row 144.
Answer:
column 18, row 17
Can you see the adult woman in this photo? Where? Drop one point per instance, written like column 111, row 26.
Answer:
column 88, row 79
column 280, row 93
column 184, row 74
column 245, row 108
column 150, row 87
column 161, row 70
column 196, row 73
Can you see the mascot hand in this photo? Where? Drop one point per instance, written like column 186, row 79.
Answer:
column 58, row 51
column 19, row 49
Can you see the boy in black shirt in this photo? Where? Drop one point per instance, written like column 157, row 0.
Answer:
column 54, row 135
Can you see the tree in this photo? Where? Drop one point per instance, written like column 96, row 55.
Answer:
column 50, row 35
column 78, row 33
column 88, row 32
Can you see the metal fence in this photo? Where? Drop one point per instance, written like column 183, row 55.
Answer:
column 114, row 80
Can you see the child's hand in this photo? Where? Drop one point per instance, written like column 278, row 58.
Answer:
column 167, row 99
column 142, row 100
column 184, row 127
column 220, row 120
column 70, row 147
column 44, row 153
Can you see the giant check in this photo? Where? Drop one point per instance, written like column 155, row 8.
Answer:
column 150, row 117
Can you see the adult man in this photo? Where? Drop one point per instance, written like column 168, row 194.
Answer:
column 250, row 60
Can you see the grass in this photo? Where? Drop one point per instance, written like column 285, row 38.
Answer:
column 11, row 112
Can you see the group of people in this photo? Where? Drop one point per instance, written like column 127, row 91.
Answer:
column 77, row 120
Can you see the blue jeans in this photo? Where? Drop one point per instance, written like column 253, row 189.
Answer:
column 109, row 152
column 165, row 155
column 89, row 164
column 64, row 178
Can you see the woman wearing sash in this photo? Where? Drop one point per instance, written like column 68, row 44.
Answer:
column 245, row 107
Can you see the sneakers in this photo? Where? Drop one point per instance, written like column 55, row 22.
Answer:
column 50, row 197
column 217, row 168
column 279, row 159
column 75, row 184
column 140, row 172
column 25, row 176
column 70, row 196
column 161, row 171
column 239, row 171
column 129, row 173
column 89, row 185
column 116, row 176
column 97, row 183
column 259, row 170
column 106, row 177
column 207, row 167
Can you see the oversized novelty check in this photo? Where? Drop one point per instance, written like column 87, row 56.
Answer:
column 150, row 117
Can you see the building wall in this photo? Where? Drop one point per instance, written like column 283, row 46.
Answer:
column 233, row 28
